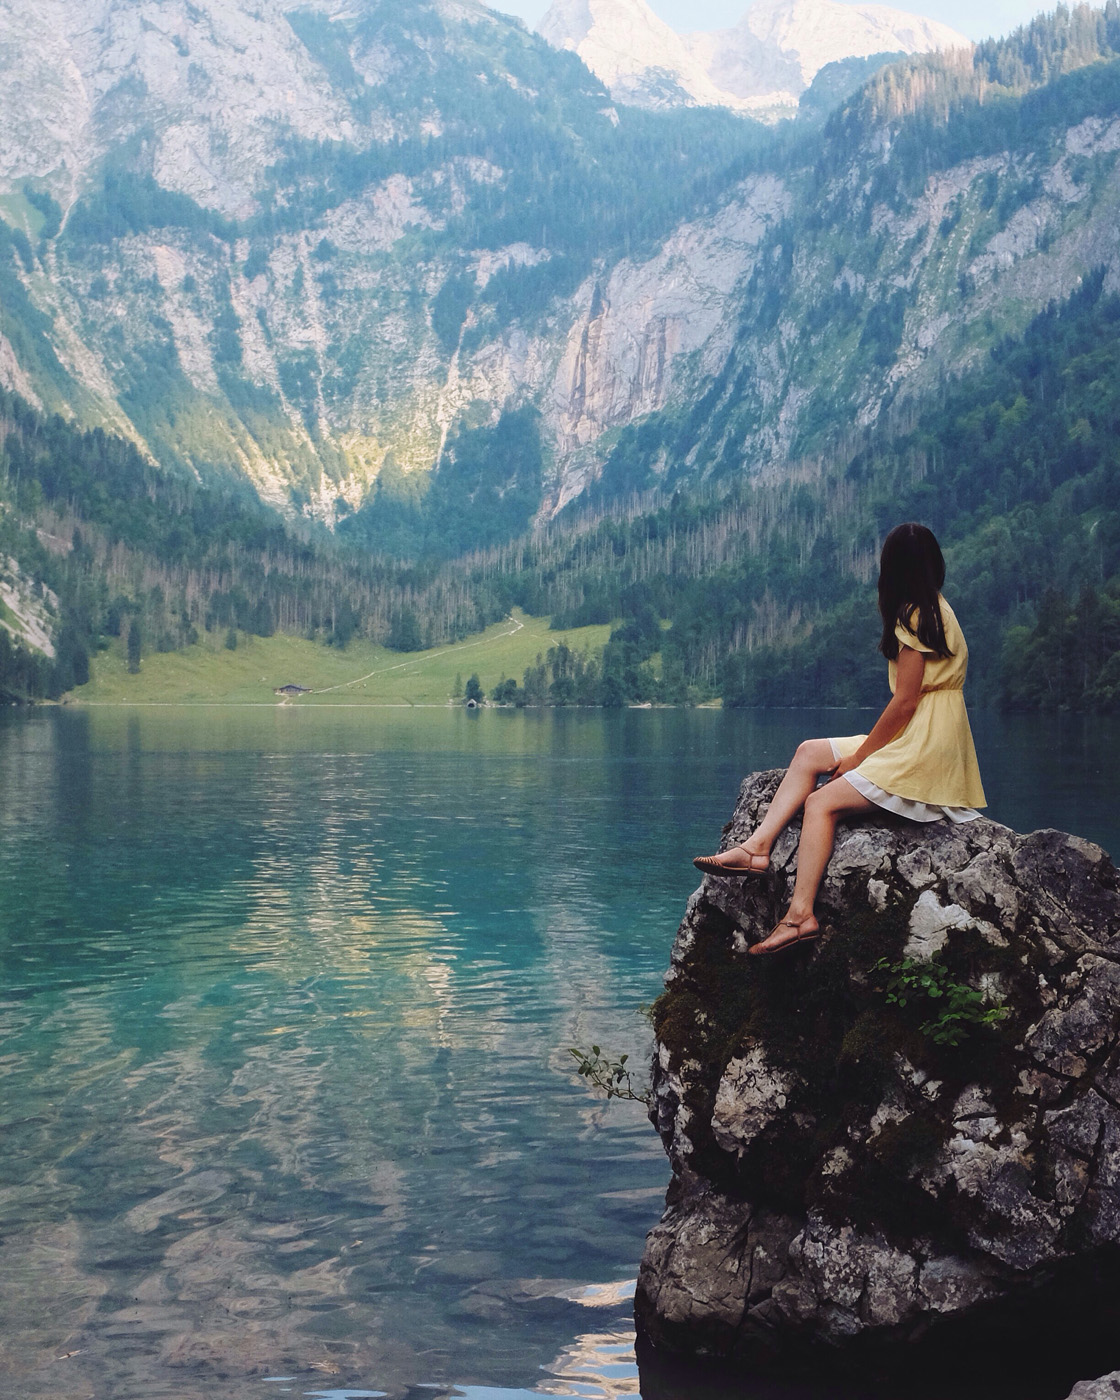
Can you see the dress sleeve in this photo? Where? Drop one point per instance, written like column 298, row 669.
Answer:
column 906, row 638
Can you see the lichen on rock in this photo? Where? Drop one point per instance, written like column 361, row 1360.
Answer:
column 857, row 1177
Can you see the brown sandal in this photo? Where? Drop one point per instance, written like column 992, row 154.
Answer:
column 760, row 950
column 715, row 865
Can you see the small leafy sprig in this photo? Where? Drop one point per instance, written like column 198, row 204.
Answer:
column 963, row 1008
column 610, row 1076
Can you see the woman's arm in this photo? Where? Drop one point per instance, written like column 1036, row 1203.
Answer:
column 900, row 710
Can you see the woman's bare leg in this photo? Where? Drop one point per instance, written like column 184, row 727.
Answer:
column 812, row 758
column 823, row 809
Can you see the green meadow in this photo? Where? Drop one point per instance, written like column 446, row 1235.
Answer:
column 362, row 674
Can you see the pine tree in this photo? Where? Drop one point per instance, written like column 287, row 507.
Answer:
column 134, row 646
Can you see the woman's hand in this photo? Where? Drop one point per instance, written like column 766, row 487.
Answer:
column 846, row 765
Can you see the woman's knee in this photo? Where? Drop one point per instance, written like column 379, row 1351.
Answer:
column 829, row 801
column 834, row 800
column 815, row 754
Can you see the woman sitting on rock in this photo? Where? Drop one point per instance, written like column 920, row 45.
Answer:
column 918, row 760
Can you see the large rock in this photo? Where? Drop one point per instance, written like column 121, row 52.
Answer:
column 852, row 1188
column 1106, row 1388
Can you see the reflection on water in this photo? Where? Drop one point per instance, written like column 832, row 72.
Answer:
column 285, row 1002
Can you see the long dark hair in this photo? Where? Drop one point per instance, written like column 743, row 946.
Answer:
column 911, row 572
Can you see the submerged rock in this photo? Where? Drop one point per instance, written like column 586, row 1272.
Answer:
column 903, row 1140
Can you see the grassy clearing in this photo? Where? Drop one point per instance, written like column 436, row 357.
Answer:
column 211, row 674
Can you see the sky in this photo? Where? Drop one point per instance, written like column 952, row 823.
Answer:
column 975, row 19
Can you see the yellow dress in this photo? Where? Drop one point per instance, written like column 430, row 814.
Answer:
column 929, row 770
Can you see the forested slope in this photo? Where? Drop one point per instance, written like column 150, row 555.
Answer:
column 1017, row 469
column 109, row 546
column 942, row 207
column 878, row 344
column 762, row 594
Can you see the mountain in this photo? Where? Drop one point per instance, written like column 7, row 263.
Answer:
column 761, row 65
column 637, row 55
column 943, row 211
column 209, row 92
column 328, row 251
column 293, row 244
column 670, row 366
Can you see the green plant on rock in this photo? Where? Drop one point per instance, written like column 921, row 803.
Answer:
column 961, row 1008
column 609, row 1075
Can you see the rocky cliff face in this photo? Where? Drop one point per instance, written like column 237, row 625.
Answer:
column 291, row 322
column 27, row 615
column 901, row 1143
column 214, row 89
column 649, row 332
column 983, row 241
column 269, row 321
column 290, row 242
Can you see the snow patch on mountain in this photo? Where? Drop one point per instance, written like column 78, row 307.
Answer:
column 763, row 63
column 633, row 52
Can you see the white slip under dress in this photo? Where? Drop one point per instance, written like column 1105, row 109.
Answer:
column 904, row 806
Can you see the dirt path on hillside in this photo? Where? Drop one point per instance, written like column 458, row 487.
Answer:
column 518, row 626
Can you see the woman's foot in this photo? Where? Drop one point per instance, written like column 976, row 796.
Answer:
column 736, row 860
column 786, row 934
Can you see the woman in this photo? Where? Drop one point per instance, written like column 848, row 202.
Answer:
column 918, row 760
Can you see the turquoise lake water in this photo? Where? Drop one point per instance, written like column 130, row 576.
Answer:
column 286, row 997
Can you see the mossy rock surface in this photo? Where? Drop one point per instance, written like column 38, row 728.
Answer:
column 904, row 1137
